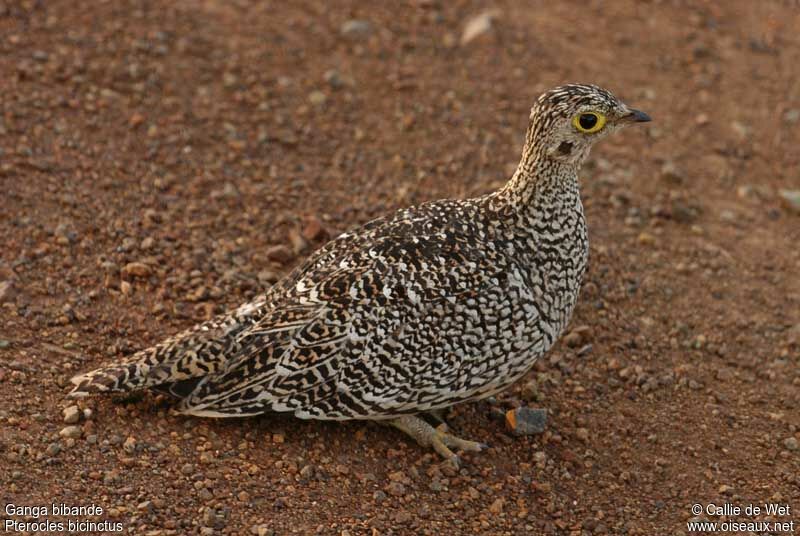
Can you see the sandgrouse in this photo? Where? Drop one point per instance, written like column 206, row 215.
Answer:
column 445, row 302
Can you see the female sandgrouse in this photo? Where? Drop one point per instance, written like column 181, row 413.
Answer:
column 437, row 304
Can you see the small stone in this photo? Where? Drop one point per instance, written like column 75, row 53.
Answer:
column 497, row 506
column 342, row 469
column 791, row 199
column 317, row 98
column 379, row 496
column 146, row 506
column 314, row 230
column 402, row 517
column 278, row 438
column 53, row 449
column 582, row 434
column 333, row 78
column 268, row 276
column 125, row 287
column 129, row 445
column 356, row 28
column 396, row 488
column 530, row 391
column 741, row 130
column 792, row 116
column 187, row 469
column 298, row 241
column 672, row 174
column 724, row 489
column 572, row 340
column 279, row 253
column 261, row 530
column 646, row 239
column 478, row 25
column 307, row 472
column 791, row 443
column 72, row 414
column 6, row 291
column 147, row 243
column 136, row 269
column 526, row 421
column 136, row 119
column 73, row 432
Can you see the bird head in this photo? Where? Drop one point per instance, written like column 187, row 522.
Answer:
column 566, row 121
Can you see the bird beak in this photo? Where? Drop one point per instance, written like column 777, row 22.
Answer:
column 636, row 116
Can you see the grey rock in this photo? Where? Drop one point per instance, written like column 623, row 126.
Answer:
column 529, row 421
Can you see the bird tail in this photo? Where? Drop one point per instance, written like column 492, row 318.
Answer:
column 118, row 378
column 173, row 364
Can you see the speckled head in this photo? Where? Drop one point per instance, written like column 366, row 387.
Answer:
column 566, row 121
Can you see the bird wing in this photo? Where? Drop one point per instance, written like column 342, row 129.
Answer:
column 348, row 313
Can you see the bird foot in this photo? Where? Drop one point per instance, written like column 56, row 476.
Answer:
column 438, row 438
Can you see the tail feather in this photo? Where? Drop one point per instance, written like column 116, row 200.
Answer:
column 190, row 355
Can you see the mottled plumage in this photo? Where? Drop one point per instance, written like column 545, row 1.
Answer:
column 437, row 304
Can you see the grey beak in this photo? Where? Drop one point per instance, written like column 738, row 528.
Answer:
column 637, row 116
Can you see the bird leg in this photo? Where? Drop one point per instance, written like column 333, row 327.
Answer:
column 438, row 438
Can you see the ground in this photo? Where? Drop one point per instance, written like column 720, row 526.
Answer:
column 163, row 161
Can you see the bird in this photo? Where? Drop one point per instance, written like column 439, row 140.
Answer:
column 442, row 303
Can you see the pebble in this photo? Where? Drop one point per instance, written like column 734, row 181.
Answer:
column 129, row 445
column 356, row 28
column 261, row 530
column 792, row 116
column 582, row 434
column 317, row 98
column 333, row 78
column 6, row 291
column 402, row 517
column 307, row 472
column 136, row 269
column 497, row 506
column 646, row 239
column 396, row 488
column 279, row 253
column 791, row 443
column 72, row 414
column 526, row 421
column 53, row 449
column 73, row 432
column 530, row 391
column 314, row 230
column 672, row 173
column 478, row 25
column 791, row 199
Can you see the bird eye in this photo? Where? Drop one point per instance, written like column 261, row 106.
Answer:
column 589, row 122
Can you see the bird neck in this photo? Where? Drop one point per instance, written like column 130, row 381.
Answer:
column 539, row 181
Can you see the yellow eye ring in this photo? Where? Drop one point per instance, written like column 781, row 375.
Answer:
column 589, row 122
